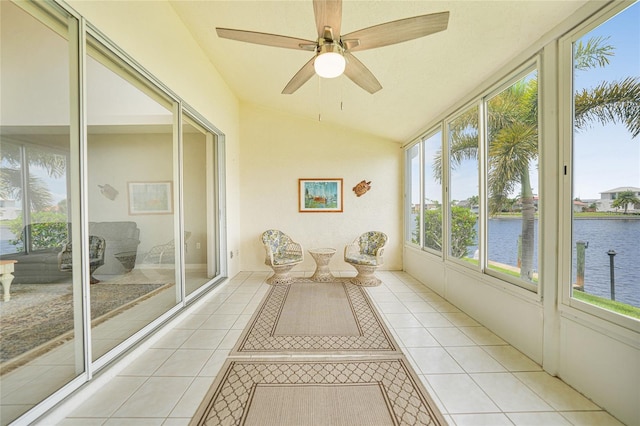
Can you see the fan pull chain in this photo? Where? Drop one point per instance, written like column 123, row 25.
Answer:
column 342, row 79
column 319, row 101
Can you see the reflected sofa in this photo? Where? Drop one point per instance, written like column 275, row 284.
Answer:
column 122, row 240
column 41, row 266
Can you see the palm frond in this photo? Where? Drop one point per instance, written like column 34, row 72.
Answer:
column 464, row 147
column 54, row 164
column 10, row 154
column 40, row 197
column 594, row 53
column 10, row 179
column 511, row 152
column 610, row 102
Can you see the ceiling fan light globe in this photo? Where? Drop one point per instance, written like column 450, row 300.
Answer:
column 329, row 65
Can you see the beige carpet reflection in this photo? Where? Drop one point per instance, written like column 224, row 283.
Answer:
column 307, row 317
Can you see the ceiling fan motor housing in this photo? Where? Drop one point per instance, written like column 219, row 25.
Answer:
column 330, row 61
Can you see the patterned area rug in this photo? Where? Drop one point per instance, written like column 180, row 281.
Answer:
column 42, row 314
column 316, row 318
column 318, row 392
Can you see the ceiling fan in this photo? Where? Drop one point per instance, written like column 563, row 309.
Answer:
column 333, row 51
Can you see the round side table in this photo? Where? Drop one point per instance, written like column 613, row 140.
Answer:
column 322, row 256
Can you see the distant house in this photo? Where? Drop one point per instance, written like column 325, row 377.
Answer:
column 8, row 209
column 579, row 206
column 607, row 198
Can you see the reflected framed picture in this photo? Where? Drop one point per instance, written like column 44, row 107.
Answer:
column 150, row 198
column 320, row 195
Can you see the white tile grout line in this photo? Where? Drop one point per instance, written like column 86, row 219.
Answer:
column 410, row 286
column 60, row 411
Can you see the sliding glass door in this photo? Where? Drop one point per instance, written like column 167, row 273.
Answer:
column 42, row 344
column 200, row 205
column 110, row 192
column 131, row 200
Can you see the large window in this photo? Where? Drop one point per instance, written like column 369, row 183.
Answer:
column 512, row 180
column 34, row 185
column 464, row 188
column 412, row 198
column 605, row 194
column 490, row 177
column 432, row 148
column 424, row 189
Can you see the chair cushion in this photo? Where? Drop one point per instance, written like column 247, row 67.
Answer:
column 276, row 240
column 371, row 241
column 279, row 244
column 286, row 259
column 362, row 259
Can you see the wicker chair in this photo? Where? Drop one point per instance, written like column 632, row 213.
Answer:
column 96, row 256
column 165, row 253
column 282, row 254
column 365, row 254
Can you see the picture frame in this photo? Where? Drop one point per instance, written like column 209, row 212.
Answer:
column 150, row 197
column 320, row 195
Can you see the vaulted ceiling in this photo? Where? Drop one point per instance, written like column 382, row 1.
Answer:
column 420, row 78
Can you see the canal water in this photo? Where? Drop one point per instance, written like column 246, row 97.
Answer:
column 621, row 235
column 602, row 235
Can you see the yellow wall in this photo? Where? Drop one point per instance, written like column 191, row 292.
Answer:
column 267, row 151
column 160, row 42
column 277, row 149
column 130, row 152
column 265, row 159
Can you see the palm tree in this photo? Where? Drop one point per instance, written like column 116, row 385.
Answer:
column 513, row 134
column 11, row 186
column 624, row 199
column 474, row 201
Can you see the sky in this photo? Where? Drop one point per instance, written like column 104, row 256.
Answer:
column 606, row 157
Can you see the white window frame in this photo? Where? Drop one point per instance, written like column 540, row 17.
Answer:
column 522, row 71
column 408, row 190
column 570, row 306
column 446, row 201
column 427, row 135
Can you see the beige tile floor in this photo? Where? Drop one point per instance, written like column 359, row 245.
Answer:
column 475, row 377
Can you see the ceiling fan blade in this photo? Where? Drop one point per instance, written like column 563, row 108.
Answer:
column 328, row 13
column 398, row 31
column 360, row 74
column 301, row 77
column 266, row 39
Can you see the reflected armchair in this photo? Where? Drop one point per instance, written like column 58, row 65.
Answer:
column 365, row 254
column 97, row 247
column 165, row 253
column 281, row 254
